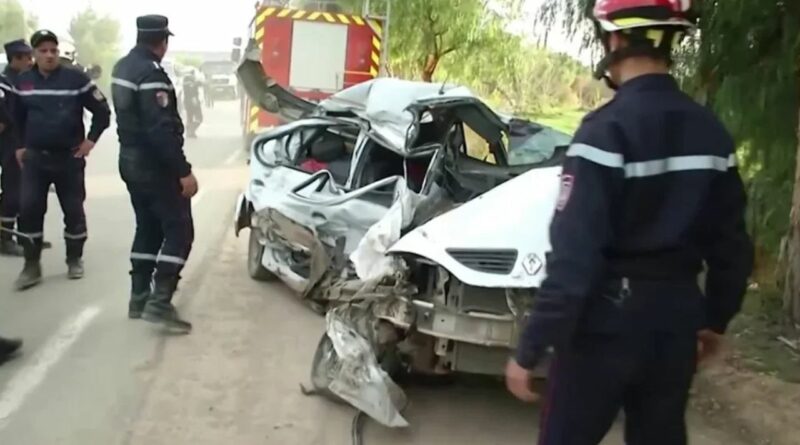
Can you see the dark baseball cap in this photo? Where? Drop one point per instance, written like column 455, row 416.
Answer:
column 17, row 47
column 153, row 24
column 43, row 35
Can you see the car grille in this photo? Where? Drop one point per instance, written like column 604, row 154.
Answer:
column 495, row 261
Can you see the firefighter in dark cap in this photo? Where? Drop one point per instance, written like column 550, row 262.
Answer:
column 20, row 59
column 159, row 178
column 53, row 148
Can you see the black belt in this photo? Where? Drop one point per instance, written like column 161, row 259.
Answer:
column 667, row 266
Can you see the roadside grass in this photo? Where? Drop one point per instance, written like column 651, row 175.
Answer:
column 563, row 120
column 754, row 336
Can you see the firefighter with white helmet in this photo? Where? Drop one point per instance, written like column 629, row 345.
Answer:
column 650, row 193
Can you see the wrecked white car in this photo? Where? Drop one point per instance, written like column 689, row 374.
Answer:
column 411, row 214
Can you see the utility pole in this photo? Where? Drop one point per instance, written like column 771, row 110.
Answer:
column 387, row 20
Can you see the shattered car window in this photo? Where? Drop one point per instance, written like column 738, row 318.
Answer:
column 535, row 145
column 477, row 147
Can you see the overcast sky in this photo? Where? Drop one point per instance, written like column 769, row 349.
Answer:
column 201, row 25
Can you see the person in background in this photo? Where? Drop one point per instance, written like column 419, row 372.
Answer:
column 155, row 170
column 650, row 193
column 192, row 104
column 53, row 150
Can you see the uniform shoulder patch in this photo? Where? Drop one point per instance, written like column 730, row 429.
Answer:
column 162, row 98
column 567, row 182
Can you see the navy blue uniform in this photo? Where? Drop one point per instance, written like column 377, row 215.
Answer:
column 151, row 163
column 50, row 120
column 10, row 176
column 650, row 193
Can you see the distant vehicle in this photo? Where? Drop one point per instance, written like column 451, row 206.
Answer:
column 220, row 79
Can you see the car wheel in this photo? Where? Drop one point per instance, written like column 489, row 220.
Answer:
column 255, row 251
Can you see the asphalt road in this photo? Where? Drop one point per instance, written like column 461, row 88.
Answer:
column 88, row 375
column 84, row 364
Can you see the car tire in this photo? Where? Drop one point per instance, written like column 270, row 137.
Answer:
column 255, row 251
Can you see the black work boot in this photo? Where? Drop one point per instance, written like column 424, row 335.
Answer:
column 159, row 308
column 140, row 293
column 30, row 276
column 9, row 247
column 74, row 268
column 8, row 346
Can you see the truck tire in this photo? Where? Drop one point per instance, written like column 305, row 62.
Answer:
column 255, row 251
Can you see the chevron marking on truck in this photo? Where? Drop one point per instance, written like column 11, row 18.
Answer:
column 316, row 16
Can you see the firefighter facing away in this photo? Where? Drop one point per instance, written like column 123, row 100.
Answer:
column 53, row 150
column 649, row 193
column 156, row 172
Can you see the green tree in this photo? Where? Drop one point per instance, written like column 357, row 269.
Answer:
column 425, row 33
column 744, row 61
column 14, row 22
column 97, row 40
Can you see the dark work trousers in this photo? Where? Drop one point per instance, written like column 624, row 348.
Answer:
column 638, row 356
column 40, row 169
column 164, row 226
column 10, row 192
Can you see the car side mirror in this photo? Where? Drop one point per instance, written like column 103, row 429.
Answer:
column 236, row 55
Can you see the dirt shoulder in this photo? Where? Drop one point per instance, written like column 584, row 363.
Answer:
column 762, row 409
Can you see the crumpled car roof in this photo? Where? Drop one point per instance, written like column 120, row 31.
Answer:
column 383, row 103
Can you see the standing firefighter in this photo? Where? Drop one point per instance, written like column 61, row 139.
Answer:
column 155, row 170
column 650, row 191
column 54, row 148
column 191, row 102
column 19, row 60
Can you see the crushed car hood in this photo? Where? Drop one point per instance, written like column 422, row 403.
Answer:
column 505, row 228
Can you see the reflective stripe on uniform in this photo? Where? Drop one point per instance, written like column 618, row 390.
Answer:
column 594, row 154
column 83, row 235
column 155, row 86
column 145, row 86
column 124, row 83
column 677, row 164
column 143, row 256
column 32, row 235
column 171, row 259
column 77, row 92
column 8, row 219
column 651, row 168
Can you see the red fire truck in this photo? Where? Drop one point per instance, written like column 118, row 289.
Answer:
column 313, row 54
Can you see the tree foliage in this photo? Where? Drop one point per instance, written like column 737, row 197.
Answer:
column 14, row 22
column 468, row 42
column 97, row 40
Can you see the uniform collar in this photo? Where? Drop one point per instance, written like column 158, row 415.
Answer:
column 35, row 70
column 650, row 82
column 146, row 52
